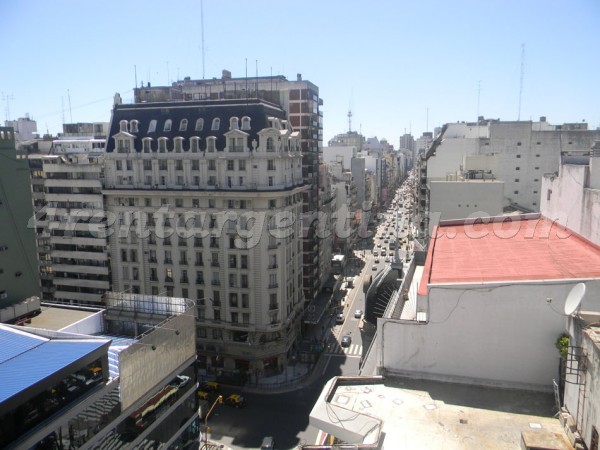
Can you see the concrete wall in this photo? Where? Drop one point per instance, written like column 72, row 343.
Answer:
column 565, row 199
column 462, row 199
column 330, row 155
column 449, row 157
column 490, row 335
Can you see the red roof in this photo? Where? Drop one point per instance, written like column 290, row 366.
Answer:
column 515, row 249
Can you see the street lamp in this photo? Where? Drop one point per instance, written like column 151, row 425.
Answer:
column 219, row 400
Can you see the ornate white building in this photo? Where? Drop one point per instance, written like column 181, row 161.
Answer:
column 204, row 200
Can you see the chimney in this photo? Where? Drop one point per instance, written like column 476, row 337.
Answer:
column 299, row 77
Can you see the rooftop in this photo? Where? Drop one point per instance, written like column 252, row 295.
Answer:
column 411, row 414
column 518, row 248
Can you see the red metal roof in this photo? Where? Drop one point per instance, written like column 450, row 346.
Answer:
column 515, row 249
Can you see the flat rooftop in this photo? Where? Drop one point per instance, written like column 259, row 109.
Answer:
column 57, row 317
column 508, row 249
column 416, row 414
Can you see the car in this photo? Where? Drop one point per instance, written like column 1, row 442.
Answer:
column 235, row 400
column 387, row 260
column 374, row 268
column 377, row 259
column 203, row 394
column 268, row 443
column 180, row 381
column 386, row 241
column 339, row 319
column 346, row 341
column 210, row 386
column 375, row 252
column 358, row 314
column 383, row 252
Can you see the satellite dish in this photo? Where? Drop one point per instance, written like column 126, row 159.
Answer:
column 574, row 298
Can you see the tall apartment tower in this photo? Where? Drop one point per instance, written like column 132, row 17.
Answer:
column 206, row 198
column 19, row 277
column 301, row 102
column 70, row 225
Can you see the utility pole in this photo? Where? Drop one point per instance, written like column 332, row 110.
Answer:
column 521, row 81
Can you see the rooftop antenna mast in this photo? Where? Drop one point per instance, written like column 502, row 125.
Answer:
column 70, row 110
column 349, row 121
column 521, row 81
column 7, row 98
column 202, row 29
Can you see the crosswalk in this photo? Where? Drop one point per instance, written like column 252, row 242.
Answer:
column 352, row 350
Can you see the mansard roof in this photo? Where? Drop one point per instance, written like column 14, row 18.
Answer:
column 258, row 111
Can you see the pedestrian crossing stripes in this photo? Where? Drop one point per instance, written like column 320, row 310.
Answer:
column 353, row 350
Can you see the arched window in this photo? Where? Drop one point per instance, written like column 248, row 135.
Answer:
column 245, row 123
column 199, row 124
column 216, row 124
column 162, row 145
column 210, row 144
column 178, row 144
column 183, row 125
column 152, row 126
column 123, row 125
column 270, row 146
column 168, row 124
column 146, row 143
column 195, row 144
column 234, row 123
column 133, row 126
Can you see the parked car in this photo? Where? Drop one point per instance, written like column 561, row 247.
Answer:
column 210, row 386
column 339, row 319
column 268, row 443
column 358, row 314
column 346, row 341
column 235, row 400
column 374, row 268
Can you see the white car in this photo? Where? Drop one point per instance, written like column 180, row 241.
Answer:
column 374, row 268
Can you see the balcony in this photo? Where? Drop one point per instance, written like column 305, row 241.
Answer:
column 214, row 263
column 199, row 263
column 273, row 307
column 168, row 279
column 273, row 285
column 199, row 280
column 184, row 280
column 215, row 283
column 273, row 266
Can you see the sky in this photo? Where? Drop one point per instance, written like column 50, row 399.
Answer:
column 398, row 66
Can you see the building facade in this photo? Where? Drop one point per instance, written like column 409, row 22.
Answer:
column 19, row 278
column 207, row 201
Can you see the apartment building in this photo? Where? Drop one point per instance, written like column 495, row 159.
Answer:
column 301, row 102
column 19, row 279
column 206, row 198
column 70, row 223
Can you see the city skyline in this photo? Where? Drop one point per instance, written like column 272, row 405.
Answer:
column 398, row 67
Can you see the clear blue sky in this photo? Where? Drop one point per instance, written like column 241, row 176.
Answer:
column 389, row 61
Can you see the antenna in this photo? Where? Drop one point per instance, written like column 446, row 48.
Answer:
column 168, row 74
column 135, row 75
column 70, row 110
column 574, row 298
column 478, row 98
column 521, row 81
column 202, row 29
column 7, row 98
column 427, row 122
column 349, row 120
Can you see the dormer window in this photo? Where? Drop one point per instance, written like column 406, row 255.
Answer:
column 245, row 123
column 162, row 145
column 195, row 144
column 146, row 145
column 178, row 144
column 168, row 124
column 270, row 145
column 183, row 125
column 133, row 126
column 152, row 126
column 123, row 145
column 234, row 123
column 210, row 144
column 199, row 125
column 216, row 124
column 123, row 126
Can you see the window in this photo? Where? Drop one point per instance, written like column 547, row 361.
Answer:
column 518, row 144
column 245, row 123
column 518, row 156
column 230, row 204
column 199, row 124
column 270, row 146
column 244, row 261
column 242, row 164
column 210, row 144
column 146, row 145
column 234, row 123
column 272, row 204
column 178, row 145
column 241, row 181
column 230, row 163
column 168, row 124
column 245, row 301
column 179, row 164
column 516, row 180
column 536, row 168
column 517, row 168
column 216, row 124
column 212, row 165
column 134, row 126
column 162, row 145
column 270, row 164
column 194, row 143
column 535, row 192
column 233, row 300
column 270, row 181
column 234, row 317
column 232, row 261
column 195, row 203
column 516, row 192
column 548, row 194
column 195, row 164
column 169, row 275
column 183, row 125
column 179, row 202
column 537, row 156
column 211, row 203
column 152, row 126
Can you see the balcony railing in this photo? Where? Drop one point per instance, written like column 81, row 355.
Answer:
column 215, row 283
